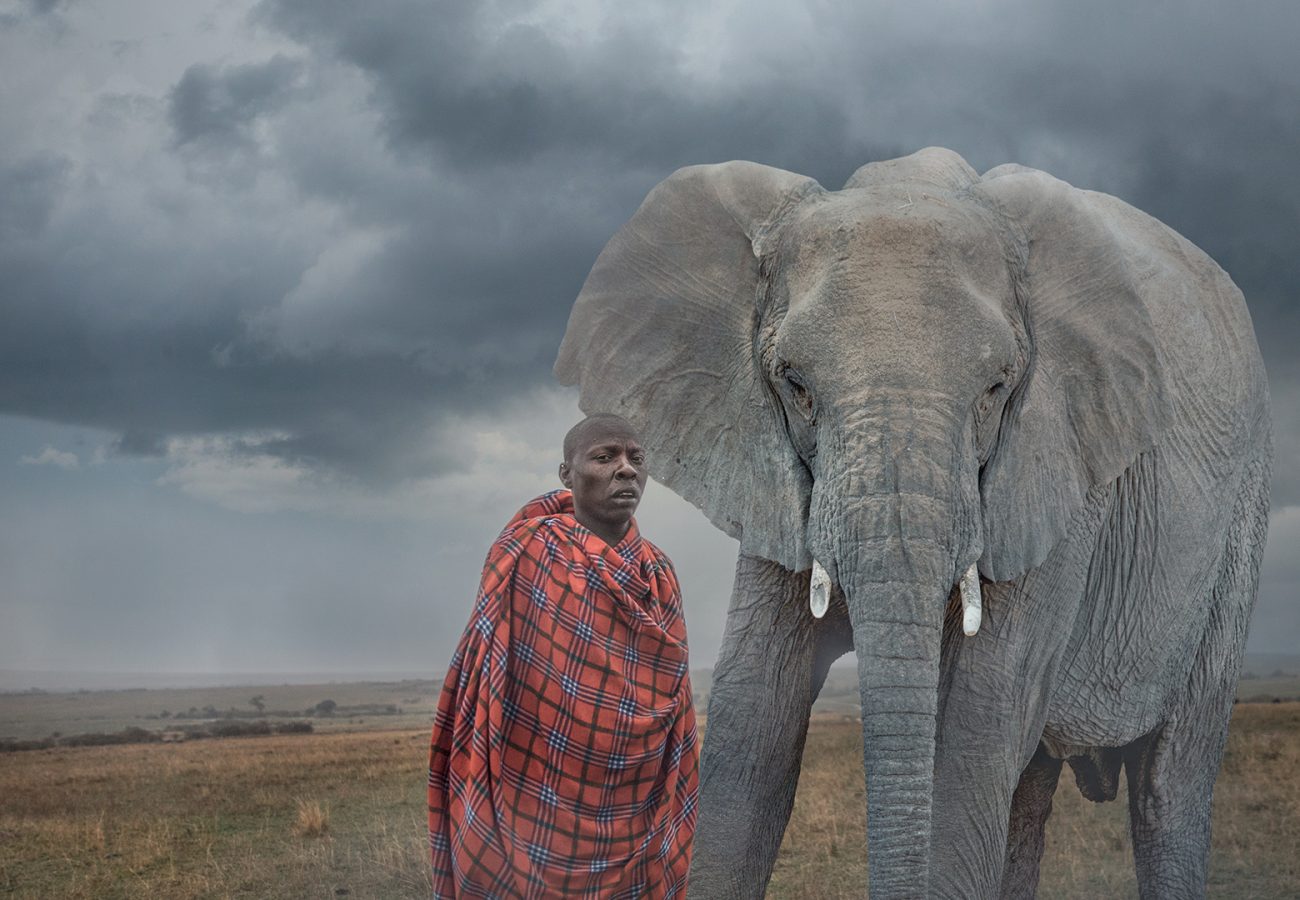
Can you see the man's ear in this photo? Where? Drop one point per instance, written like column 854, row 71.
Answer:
column 565, row 478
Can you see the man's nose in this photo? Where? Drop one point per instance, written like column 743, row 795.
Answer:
column 626, row 469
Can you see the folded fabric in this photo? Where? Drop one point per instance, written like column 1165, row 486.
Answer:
column 564, row 755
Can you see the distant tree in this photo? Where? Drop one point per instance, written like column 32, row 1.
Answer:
column 326, row 708
column 258, row 703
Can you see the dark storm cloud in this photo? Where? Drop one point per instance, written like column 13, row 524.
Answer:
column 344, row 268
column 449, row 77
column 219, row 105
column 140, row 443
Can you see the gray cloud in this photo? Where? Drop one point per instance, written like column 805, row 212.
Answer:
column 220, row 105
column 318, row 262
column 30, row 187
column 39, row 10
column 455, row 80
column 147, row 444
column 386, row 219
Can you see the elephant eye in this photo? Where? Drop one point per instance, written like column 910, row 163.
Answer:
column 802, row 397
column 987, row 422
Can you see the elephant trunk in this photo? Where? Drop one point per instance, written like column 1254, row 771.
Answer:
column 904, row 524
column 897, row 625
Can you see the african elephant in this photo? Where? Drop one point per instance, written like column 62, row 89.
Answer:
column 928, row 377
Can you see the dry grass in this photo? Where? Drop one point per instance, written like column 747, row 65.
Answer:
column 313, row 819
column 289, row 816
column 331, row 815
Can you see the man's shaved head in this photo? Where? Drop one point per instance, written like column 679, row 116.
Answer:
column 573, row 440
column 604, row 469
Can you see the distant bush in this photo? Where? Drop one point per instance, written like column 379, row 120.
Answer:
column 11, row 745
column 1259, row 698
column 328, row 708
column 237, row 728
column 132, row 735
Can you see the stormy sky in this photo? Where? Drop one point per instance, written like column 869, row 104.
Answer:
column 282, row 282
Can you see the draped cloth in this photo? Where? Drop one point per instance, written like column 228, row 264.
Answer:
column 564, row 757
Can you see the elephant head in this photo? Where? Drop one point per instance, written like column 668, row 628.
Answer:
column 922, row 372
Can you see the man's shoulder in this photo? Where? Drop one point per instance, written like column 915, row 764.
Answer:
column 547, row 517
column 552, row 503
column 541, row 528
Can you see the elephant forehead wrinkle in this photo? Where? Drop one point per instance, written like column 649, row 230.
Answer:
column 905, row 409
column 928, row 350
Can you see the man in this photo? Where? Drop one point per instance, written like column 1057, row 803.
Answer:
column 564, row 755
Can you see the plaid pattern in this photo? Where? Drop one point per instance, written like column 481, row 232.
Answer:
column 564, row 754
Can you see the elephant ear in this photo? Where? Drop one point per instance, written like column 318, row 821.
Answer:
column 663, row 333
column 1092, row 397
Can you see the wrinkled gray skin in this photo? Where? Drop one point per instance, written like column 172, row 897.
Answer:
column 926, row 369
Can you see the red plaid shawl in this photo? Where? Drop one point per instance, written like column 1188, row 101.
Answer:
column 564, row 758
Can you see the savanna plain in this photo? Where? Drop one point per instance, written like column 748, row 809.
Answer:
column 339, row 811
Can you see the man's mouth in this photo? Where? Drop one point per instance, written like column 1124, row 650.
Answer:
column 627, row 492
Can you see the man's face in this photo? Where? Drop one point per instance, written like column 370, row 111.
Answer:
column 607, row 476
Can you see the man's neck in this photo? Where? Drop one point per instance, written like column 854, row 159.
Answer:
column 610, row 534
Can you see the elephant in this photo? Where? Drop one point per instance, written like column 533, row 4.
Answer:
column 1006, row 439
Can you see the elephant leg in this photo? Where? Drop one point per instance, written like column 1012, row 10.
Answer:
column 1030, row 807
column 772, row 665
column 1171, row 772
column 1171, row 776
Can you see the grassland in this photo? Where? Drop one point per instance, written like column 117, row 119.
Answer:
column 342, row 815
column 287, row 816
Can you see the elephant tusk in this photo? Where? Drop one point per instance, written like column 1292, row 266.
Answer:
column 819, row 593
column 971, row 601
